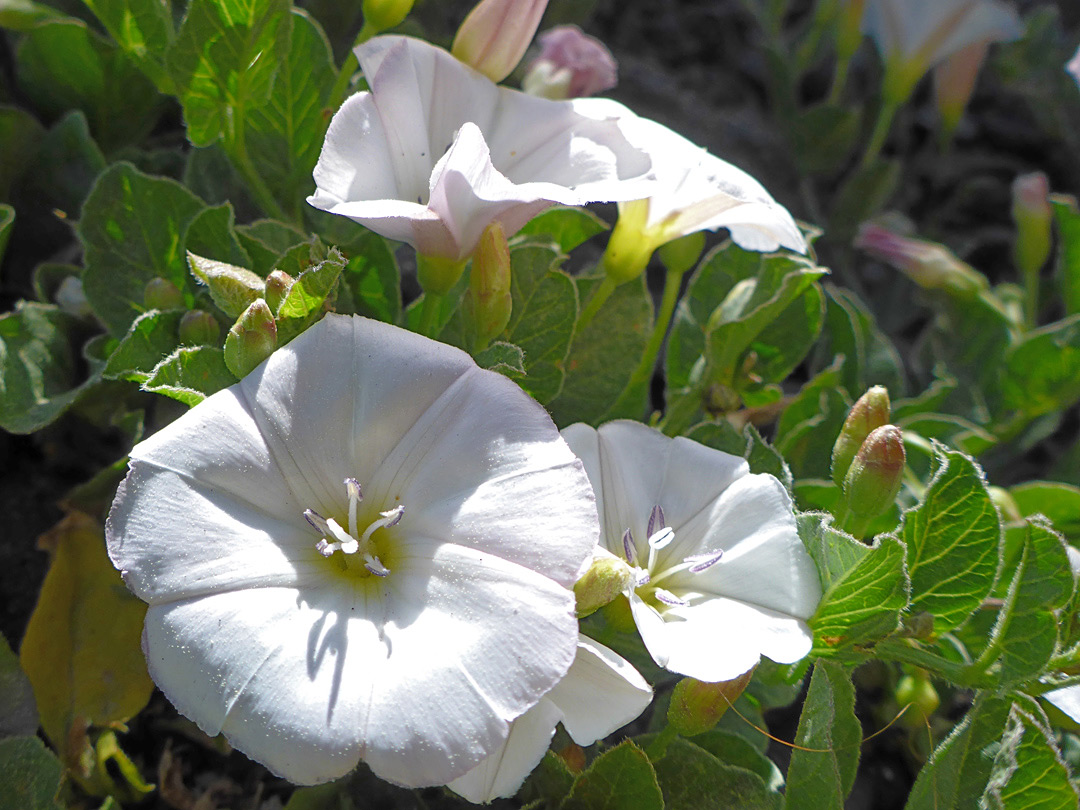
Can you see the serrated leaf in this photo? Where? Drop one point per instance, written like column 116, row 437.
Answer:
column 133, row 229
column 545, row 307
column 1029, row 773
column 621, row 778
column 566, row 227
column 783, row 344
column 736, row 750
column 191, row 374
column 1068, row 259
column 604, row 355
column 18, row 712
column 955, row 777
column 1027, row 627
column 233, row 288
column 265, row 240
column 505, row 358
column 67, row 163
column 373, row 277
column 307, row 295
column 720, row 435
column 864, row 587
column 764, row 458
column 144, row 30
column 224, row 61
column 30, row 774
column 152, row 337
column 211, row 233
column 82, row 649
column 949, row 429
column 691, row 778
column 824, row 777
column 953, row 539
column 549, row 783
column 1042, row 371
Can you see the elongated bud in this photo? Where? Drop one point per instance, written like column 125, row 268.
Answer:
column 496, row 34
column 873, row 479
column 571, row 65
column 232, row 288
column 160, row 293
column 679, row 255
column 696, row 706
column 1032, row 214
column 954, row 81
column 489, row 304
column 870, row 411
column 278, row 284
column 630, row 246
column 198, row 328
column 251, row 340
column 380, row 15
column 928, row 264
column 606, row 578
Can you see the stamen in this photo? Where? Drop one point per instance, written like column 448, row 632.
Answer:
column 641, row 577
column 628, row 547
column 656, row 520
column 352, row 487
column 658, row 541
column 390, row 517
column 316, row 521
column 702, row 562
column 375, row 566
column 668, row 598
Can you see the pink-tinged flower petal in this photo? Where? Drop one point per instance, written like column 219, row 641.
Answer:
column 455, row 614
column 385, row 162
column 495, row 35
column 572, row 61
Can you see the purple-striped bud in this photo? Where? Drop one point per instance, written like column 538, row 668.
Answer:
column 874, row 477
column 928, row 264
column 571, row 64
column 496, row 34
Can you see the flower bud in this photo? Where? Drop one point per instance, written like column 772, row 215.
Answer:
column 873, row 479
column 928, row 264
column 159, row 293
column 438, row 274
column 571, row 65
column 630, row 246
column 1032, row 214
column 679, row 255
column 488, row 304
column 696, row 706
column 1073, row 67
column 71, row 297
column 954, row 81
column 869, row 412
column 198, row 328
column 849, row 28
column 232, row 288
column 496, row 34
column 252, row 338
column 606, row 578
column 380, row 15
column 919, row 695
column 278, row 284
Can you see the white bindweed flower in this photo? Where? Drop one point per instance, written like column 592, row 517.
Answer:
column 720, row 574
column 435, row 152
column 338, row 561
column 601, row 693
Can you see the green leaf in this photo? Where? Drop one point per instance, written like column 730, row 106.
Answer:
column 549, row 783
column 66, row 165
column 864, row 587
column 809, row 425
column 824, row 777
column 505, row 358
column 20, row 138
column 621, row 778
column 566, row 227
column 18, row 712
column 64, row 65
column 151, row 338
column 133, row 229
column 265, row 240
column 143, row 30
column 720, row 435
column 604, row 355
column 22, row 15
column 822, row 136
column 862, row 195
column 1058, row 502
column 736, row 750
column 30, row 774
column 761, row 456
column 38, row 367
column 955, row 431
column 373, row 278
column 211, row 233
column 1042, row 371
column 1029, row 773
column 953, row 539
column 285, row 134
column 224, row 61
column 304, row 302
column 232, row 288
column 691, row 778
column 7, row 220
column 191, row 374
column 1068, row 259
column 1027, row 628
column 545, row 307
column 783, row 344
column 869, row 357
column 955, row 777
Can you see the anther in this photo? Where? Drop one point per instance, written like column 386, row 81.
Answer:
column 668, row 598
column 656, row 520
column 628, row 547
column 702, row 562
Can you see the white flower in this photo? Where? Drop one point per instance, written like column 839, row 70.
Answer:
column 721, row 577
column 435, row 152
column 363, row 550
column 601, row 693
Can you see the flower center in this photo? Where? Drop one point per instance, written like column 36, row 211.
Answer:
column 354, row 542
column 647, row 579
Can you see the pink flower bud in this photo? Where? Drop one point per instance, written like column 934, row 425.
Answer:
column 871, row 411
column 874, row 477
column 1033, row 216
column 496, row 34
column 928, row 264
column 571, row 64
column 954, row 82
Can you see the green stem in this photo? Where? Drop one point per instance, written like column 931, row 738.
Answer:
column 680, row 413
column 958, row 673
column 599, row 297
column 1031, row 296
column 881, row 131
column 348, row 68
column 643, row 373
column 839, row 81
column 429, row 314
column 263, row 196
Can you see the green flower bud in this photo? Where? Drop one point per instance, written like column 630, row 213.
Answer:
column 919, row 695
column 629, row 247
column 437, row 274
column 873, row 479
column 928, row 264
column 380, row 15
column 278, row 284
column 251, row 340
column 679, row 255
column 870, row 411
column 488, row 304
column 607, row 577
column 696, row 706
column 1032, row 214
column 232, row 288
column 160, row 293
column 198, row 328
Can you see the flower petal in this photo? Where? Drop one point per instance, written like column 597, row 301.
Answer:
column 1066, row 699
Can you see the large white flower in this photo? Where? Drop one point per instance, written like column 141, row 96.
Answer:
column 601, row 693
column 436, row 152
column 363, row 550
column 720, row 574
